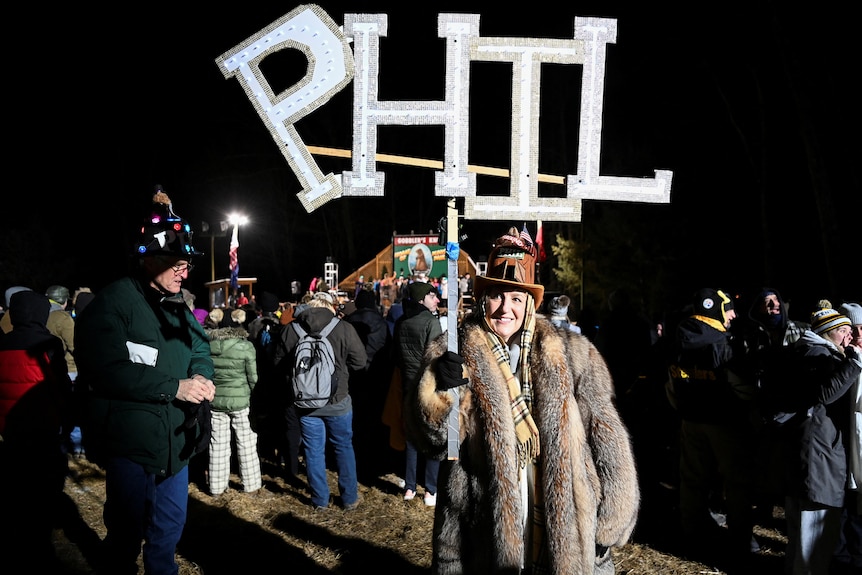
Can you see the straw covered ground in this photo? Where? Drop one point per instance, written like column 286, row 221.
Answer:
column 276, row 529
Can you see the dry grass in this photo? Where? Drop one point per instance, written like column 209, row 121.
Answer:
column 277, row 529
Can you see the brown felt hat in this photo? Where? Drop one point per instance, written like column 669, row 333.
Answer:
column 511, row 265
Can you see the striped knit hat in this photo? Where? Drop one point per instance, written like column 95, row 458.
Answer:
column 827, row 319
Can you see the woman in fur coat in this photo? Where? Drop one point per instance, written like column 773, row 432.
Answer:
column 545, row 479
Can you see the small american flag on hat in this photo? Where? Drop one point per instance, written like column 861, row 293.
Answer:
column 525, row 235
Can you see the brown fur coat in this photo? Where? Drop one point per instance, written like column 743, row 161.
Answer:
column 589, row 478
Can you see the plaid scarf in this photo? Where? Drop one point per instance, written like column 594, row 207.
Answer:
column 520, row 395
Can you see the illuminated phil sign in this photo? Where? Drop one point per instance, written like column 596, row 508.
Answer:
column 332, row 65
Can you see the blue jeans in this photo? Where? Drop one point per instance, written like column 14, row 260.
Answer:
column 338, row 430
column 432, row 466
column 141, row 506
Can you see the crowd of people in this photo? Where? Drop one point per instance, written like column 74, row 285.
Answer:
column 566, row 434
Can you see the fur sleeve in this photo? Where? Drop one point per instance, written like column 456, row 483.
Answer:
column 609, row 440
column 426, row 410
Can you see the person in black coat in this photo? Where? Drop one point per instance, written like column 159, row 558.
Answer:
column 369, row 386
column 830, row 366
column 33, row 385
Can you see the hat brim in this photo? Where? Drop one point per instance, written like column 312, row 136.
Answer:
column 482, row 283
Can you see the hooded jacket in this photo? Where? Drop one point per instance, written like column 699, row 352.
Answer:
column 371, row 328
column 132, row 347
column 759, row 333
column 33, row 375
column 587, row 467
column 348, row 349
column 819, row 469
column 235, row 362
column 702, row 386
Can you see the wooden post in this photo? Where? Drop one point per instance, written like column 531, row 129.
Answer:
column 452, row 237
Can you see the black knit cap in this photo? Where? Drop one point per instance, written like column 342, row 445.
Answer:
column 712, row 303
column 418, row 290
column 268, row 302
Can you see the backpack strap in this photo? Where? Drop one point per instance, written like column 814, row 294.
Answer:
column 323, row 333
column 329, row 327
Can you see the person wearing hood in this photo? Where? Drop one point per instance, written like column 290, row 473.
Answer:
column 33, row 385
column 830, row 366
column 544, row 478
column 145, row 361
column 235, row 363
column 332, row 423
column 767, row 336
column 371, row 383
column 768, row 324
column 717, row 438
column 6, row 318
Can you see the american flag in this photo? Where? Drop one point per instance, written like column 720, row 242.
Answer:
column 525, row 235
column 234, row 259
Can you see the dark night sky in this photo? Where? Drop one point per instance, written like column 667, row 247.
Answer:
column 116, row 103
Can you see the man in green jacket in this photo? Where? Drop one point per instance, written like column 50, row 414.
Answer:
column 145, row 362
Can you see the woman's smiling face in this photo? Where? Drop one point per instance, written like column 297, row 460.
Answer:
column 505, row 310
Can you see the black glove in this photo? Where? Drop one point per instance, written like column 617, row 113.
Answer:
column 450, row 371
column 198, row 413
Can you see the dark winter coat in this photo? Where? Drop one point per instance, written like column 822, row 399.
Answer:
column 413, row 332
column 373, row 331
column 132, row 347
column 819, row 470
column 348, row 348
column 588, row 470
column 33, row 375
column 702, row 386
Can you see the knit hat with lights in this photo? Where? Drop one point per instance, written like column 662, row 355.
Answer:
column 164, row 232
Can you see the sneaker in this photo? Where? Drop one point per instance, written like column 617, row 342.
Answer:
column 351, row 506
column 409, row 495
column 430, row 499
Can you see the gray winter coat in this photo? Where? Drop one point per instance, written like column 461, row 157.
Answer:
column 819, row 473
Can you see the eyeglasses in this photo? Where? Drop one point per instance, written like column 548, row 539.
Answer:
column 183, row 268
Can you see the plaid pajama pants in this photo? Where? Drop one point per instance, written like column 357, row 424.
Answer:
column 223, row 422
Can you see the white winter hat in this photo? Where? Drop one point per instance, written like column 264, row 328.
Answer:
column 852, row 311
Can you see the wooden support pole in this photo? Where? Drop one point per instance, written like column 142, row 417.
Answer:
column 452, row 237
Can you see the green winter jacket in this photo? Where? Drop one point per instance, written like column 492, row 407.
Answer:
column 132, row 346
column 235, row 362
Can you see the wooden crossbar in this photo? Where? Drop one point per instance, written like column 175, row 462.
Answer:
column 426, row 163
